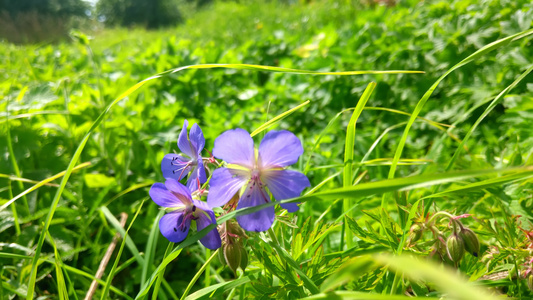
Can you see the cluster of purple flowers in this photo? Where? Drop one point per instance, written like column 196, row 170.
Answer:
column 250, row 174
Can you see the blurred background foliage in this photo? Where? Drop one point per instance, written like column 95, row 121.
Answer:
column 51, row 93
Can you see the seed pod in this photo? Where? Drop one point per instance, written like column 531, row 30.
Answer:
column 455, row 246
column 232, row 253
column 471, row 241
column 529, row 280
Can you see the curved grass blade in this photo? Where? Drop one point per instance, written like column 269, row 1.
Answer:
column 489, row 108
column 482, row 184
column 160, row 278
column 43, row 182
column 67, row 268
column 484, row 50
column 37, row 113
column 150, row 246
column 278, row 118
column 81, row 146
column 117, row 259
column 218, row 289
column 172, row 255
column 321, row 135
column 124, row 233
column 26, row 180
column 360, row 296
column 129, row 189
column 447, row 280
column 198, row 274
column 61, row 285
column 348, row 158
column 388, row 185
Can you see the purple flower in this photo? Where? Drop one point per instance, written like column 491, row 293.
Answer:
column 177, row 166
column 177, row 200
column 277, row 150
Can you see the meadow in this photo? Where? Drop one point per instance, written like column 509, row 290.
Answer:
column 415, row 121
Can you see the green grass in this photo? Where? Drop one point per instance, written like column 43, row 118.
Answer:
column 99, row 117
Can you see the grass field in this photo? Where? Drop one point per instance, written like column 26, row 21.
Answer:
column 397, row 161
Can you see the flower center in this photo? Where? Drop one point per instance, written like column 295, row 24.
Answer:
column 189, row 214
column 256, row 174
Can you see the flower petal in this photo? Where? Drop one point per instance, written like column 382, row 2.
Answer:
column 192, row 183
column 285, row 184
column 212, row 239
column 179, row 191
column 201, row 170
column 183, row 141
column 175, row 166
column 197, row 139
column 163, row 197
column 259, row 220
column 279, row 149
column 169, row 225
column 224, row 184
column 235, row 147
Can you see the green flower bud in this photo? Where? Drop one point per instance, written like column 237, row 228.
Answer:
column 233, row 254
column 471, row 241
column 415, row 233
column 530, row 282
column 455, row 246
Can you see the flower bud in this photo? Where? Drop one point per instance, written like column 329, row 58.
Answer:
column 415, row 233
column 529, row 280
column 455, row 246
column 233, row 254
column 471, row 241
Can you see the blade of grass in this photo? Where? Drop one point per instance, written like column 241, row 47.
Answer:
column 117, row 259
column 489, row 108
column 67, row 268
column 215, row 290
column 105, row 259
column 129, row 189
column 447, row 280
column 360, row 296
column 278, row 118
column 15, row 178
column 41, row 183
column 198, row 274
column 36, row 113
column 120, row 229
column 348, row 158
column 61, row 286
column 379, row 187
column 162, row 274
column 482, row 185
column 484, row 50
column 170, row 257
column 150, row 246
column 12, row 156
column 16, row 221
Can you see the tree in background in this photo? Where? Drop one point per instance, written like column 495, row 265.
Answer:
column 29, row 21
column 150, row 14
